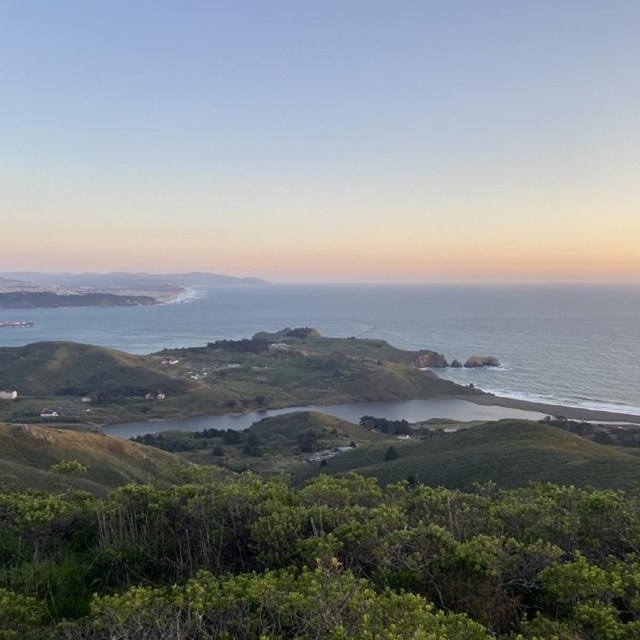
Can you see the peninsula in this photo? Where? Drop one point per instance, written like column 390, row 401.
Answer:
column 86, row 384
column 294, row 367
column 27, row 290
column 46, row 299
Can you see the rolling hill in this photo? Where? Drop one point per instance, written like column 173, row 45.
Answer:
column 70, row 368
column 27, row 453
column 225, row 376
column 511, row 453
column 287, row 429
column 272, row 445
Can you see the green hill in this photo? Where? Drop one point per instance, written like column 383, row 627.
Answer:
column 272, row 445
column 28, row 451
column 287, row 430
column 511, row 453
column 227, row 376
column 69, row 368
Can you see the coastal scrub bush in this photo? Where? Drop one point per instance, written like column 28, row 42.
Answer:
column 226, row 555
column 19, row 614
column 322, row 603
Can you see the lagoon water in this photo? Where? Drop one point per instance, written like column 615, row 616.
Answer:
column 577, row 345
column 411, row 410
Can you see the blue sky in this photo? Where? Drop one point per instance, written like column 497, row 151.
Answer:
column 322, row 140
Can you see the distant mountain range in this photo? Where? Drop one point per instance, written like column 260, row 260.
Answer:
column 121, row 279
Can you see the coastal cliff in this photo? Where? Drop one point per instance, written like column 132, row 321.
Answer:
column 430, row 359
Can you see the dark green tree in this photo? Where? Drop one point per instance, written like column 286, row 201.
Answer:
column 391, row 454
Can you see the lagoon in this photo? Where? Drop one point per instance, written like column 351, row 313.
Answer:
column 410, row 410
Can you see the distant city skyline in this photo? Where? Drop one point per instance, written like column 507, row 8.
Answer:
column 351, row 140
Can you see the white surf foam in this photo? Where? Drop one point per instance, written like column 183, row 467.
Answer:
column 189, row 294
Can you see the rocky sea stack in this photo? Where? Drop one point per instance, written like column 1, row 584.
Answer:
column 481, row 361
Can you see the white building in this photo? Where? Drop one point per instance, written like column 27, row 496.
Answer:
column 8, row 395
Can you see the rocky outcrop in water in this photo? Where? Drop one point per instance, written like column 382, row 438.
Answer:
column 481, row 361
column 456, row 364
column 431, row 359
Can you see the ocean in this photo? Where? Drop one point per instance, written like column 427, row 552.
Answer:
column 575, row 345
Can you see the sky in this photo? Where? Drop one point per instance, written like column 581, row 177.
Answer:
column 326, row 140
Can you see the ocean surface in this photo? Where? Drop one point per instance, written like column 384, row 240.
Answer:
column 577, row 345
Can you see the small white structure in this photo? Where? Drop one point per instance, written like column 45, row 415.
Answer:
column 8, row 395
column 280, row 346
column 85, row 399
column 48, row 413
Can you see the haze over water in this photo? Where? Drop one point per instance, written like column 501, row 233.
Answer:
column 567, row 344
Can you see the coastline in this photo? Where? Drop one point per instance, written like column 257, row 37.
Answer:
column 573, row 413
column 185, row 295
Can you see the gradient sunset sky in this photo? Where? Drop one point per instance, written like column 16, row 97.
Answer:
column 328, row 140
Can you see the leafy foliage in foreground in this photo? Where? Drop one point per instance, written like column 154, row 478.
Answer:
column 340, row 558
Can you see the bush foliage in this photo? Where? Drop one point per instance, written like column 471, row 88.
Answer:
column 340, row 558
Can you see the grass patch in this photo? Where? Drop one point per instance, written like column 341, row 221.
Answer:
column 511, row 453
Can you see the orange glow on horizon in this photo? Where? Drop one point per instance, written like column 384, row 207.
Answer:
column 339, row 262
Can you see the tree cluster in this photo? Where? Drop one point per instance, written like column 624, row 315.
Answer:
column 627, row 436
column 179, row 441
column 390, row 427
column 240, row 346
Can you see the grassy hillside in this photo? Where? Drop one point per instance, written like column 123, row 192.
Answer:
column 223, row 377
column 287, row 429
column 69, row 368
column 311, row 370
column 508, row 452
column 27, row 453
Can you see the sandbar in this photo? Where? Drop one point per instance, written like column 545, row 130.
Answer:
column 572, row 413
